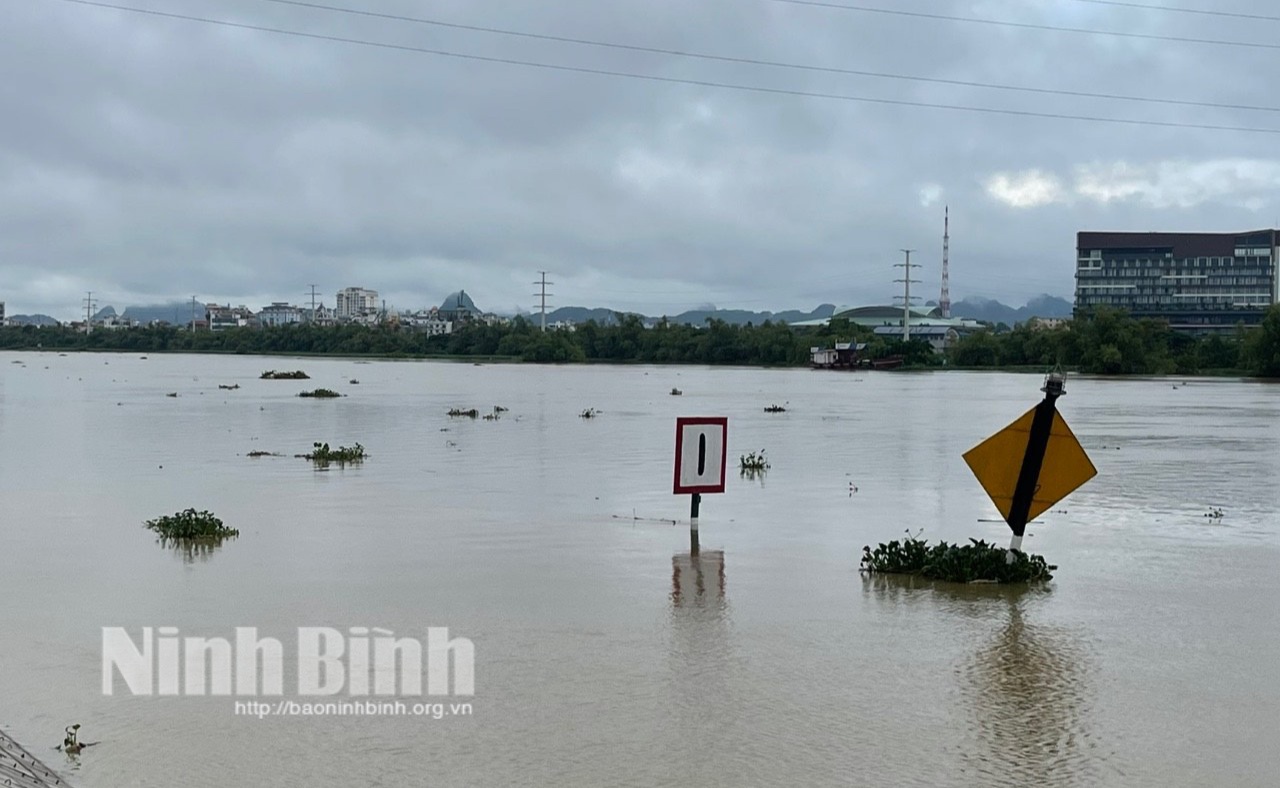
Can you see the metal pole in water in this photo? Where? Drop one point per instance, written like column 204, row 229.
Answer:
column 1037, row 443
column 695, row 500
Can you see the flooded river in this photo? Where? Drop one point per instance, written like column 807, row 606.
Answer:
column 605, row 654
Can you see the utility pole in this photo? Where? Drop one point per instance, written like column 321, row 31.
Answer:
column 543, row 296
column 313, row 303
column 944, row 303
column 89, row 304
column 906, row 281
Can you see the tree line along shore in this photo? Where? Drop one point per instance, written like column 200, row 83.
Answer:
column 1106, row 342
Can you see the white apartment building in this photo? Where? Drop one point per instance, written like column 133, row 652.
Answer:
column 280, row 313
column 355, row 302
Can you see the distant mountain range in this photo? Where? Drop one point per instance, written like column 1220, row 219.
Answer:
column 32, row 320
column 974, row 307
column 697, row 317
column 995, row 312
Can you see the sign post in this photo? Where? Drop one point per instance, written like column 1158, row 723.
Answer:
column 701, row 455
column 1032, row 464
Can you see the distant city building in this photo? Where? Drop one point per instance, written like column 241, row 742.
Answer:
column 113, row 322
column 354, row 302
column 323, row 316
column 220, row 318
column 1046, row 323
column 938, row 337
column 1196, row 281
column 280, row 313
column 458, row 308
column 3, row 322
column 427, row 321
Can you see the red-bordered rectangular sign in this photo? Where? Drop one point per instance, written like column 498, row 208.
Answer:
column 702, row 448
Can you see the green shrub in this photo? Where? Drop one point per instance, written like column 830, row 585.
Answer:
column 320, row 394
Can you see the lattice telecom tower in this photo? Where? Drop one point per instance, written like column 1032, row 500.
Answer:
column 944, row 303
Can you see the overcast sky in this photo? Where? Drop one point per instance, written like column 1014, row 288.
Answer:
column 149, row 159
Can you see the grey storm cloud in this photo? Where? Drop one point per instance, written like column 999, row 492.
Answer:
column 149, row 158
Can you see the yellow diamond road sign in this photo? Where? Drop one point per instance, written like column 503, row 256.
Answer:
column 997, row 461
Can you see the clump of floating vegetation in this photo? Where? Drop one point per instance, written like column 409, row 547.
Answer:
column 272, row 374
column 675, row 392
column 753, row 462
column 321, row 454
column 172, row 394
column 775, row 409
column 500, row 409
column 589, row 413
column 263, row 454
column 976, row 562
column 232, row 387
column 190, row 524
column 470, row 413
column 354, row 382
column 320, row 394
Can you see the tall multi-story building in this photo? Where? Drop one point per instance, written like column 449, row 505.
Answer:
column 2, row 313
column 1197, row 281
column 355, row 302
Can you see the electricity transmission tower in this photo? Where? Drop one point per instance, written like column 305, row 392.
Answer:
column 89, row 304
column 906, row 281
column 542, row 295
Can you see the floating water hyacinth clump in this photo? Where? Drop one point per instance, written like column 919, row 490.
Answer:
column 976, row 562
column 753, row 462
column 297, row 374
column 191, row 524
column 321, row 454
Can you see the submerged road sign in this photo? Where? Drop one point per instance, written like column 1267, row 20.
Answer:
column 1032, row 464
column 701, row 454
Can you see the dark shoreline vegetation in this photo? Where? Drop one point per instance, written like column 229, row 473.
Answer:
column 1107, row 343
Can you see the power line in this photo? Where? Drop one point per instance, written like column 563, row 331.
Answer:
column 761, row 62
column 1199, row 11
column 1022, row 25
column 682, row 81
